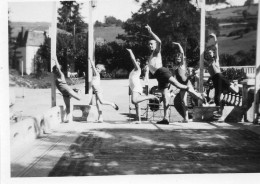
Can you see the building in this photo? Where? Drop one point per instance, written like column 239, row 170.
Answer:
column 28, row 43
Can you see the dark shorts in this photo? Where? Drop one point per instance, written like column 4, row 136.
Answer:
column 220, row 83
column 163, row 75
column 64, row 89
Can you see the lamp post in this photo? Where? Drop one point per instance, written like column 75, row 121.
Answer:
column 53, row 34
column 257, row 73
column 88, row 79
column 202, row 44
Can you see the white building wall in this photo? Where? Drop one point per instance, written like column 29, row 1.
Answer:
column 21, row 55
column 30, row 54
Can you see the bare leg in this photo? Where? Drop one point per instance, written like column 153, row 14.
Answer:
column 68, row 117
column 138, row 117
column 99, row 108
column 183, row 95
column 165, row 97
column 99, row 97
column 137, row 97
column 195, row 94
column 234, row 88
column 74, row 94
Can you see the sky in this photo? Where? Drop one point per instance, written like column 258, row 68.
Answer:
column 41, row 11
column 31, row 11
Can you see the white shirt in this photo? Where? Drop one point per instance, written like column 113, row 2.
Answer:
column 155, row 62
column 134, row 81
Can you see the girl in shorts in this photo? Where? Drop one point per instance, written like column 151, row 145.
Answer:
column 65, row 90
column 98, row 91
column 136, row 86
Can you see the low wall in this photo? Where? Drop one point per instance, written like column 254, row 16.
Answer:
column 29, row 129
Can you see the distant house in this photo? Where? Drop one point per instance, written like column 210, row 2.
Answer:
column 28, row 43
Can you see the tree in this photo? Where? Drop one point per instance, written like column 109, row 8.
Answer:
column 69, row 17
column 11, row 44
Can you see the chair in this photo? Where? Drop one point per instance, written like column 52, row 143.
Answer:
column 152, row 109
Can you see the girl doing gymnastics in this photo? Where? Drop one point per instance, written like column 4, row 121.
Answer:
column 64, row 88
column 136, row 86
column 98, row 91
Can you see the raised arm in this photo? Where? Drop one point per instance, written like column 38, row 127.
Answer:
column 216, row 45
column 180, row 49
column 157, row 39
column 133, row 59
column 93, row 67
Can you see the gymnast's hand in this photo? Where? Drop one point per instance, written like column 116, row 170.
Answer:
column 148, row 28
column 176, row 43
column 213, row 36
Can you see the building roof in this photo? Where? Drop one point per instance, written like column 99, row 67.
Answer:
column 35, row 38
column 30, row 38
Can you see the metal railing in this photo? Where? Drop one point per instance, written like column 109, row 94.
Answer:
column 247, row 69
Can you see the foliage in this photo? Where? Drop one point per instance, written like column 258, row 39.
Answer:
column 109, row 21
column 234, row 74
column 69, row 17
column 42, row 58
column 11, row 43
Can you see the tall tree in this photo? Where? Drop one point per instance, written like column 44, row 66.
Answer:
column 70, row 17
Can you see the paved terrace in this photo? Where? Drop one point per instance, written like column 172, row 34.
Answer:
column 118, row 147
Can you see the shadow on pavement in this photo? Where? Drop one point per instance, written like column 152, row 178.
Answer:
column 127, row 151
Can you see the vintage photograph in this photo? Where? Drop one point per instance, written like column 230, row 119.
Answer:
column 133, row 88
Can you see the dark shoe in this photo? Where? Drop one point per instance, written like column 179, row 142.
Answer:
column 163, row 122
column 116, row 107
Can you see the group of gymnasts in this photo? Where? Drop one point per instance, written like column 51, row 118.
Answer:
column 163, row 75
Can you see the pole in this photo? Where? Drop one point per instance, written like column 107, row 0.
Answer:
column 53, row 51
column 90, row 49
column 22, row 68
column 22, row 77
column 202, row 45
column 257, row 71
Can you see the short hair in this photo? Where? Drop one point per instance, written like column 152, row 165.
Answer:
column 152, row 40
column 101, row 67
column 206, row 53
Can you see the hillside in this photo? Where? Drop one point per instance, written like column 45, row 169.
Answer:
column 39, row 26
column 108, row 33
column 222, row 15
column 231, row 45
column 230, row 20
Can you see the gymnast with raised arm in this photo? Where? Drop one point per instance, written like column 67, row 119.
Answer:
column 164, row 76
column 64, row 88
column 136, row 86
column 98, row 91
column 182, row 76
column 220, row 83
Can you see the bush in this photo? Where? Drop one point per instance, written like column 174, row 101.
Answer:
column 234, row 74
